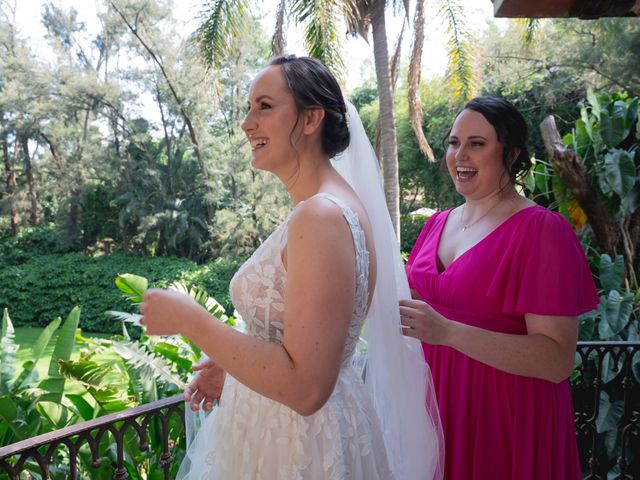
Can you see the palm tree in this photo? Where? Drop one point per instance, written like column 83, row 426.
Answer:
column 322, row 20
column 460, row 72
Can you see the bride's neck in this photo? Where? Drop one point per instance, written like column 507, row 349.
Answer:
column 308, row 179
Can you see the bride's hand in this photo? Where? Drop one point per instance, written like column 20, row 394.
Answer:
column 168, row 312
column 206, row 386
column 421, row 321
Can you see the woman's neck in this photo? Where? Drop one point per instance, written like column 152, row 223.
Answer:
column 498, row 195
column 307, row 180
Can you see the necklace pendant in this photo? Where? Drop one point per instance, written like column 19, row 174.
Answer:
column 464, row 228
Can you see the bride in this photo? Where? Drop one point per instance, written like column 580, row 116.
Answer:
column 293, row 405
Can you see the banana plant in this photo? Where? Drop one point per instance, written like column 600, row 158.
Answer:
column 29, row 405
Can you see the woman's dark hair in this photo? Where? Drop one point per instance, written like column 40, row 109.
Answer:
column 511, row 130
column 313, row 85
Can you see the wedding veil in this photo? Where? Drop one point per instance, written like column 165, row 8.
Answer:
column 396, row 374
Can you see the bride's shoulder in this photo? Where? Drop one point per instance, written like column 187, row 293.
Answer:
column 318, row 209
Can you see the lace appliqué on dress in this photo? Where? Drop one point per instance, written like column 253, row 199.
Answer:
column 251, row 437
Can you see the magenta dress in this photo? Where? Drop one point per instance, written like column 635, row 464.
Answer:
column 498, row 425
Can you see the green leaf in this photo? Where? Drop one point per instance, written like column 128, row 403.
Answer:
column 541, row 177
column 615, row 314
column 102, row 382
column 620, row 171
column 593, row 101
column 587, row 325
column 133, row 286
column 582, row 140
column 61, row 352
column 632, row 113
column 611, row 272
column 587, row 121
column 56, row 413
column 84, row 408
column 631, row 202
column 172, row 353
column 9, row 416
column 613, row 118
column 609, row 414
column 38, row 349
column 8, row 349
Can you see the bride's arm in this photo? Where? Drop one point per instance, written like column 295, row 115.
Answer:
column 320, row 290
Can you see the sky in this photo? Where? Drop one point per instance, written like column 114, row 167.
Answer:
column 359, row 58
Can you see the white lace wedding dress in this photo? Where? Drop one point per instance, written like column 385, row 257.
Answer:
column 251, row 437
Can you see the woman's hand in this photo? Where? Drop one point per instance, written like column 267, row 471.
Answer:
column 206, row 386
column 423, row 322
column 167, row 312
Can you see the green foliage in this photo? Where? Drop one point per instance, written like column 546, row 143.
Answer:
column 410, row 228
column 616, row 317
column 32, row 242
column 112, row 374
column 39, row 288
column 604, row 139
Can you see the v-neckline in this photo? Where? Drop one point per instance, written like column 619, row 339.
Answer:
column 437, row 260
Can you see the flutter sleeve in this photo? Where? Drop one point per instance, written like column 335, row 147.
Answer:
column 548, row 273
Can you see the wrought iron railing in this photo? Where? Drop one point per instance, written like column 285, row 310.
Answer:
column 605, row 387
column 606, row 398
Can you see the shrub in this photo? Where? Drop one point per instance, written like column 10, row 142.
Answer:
column 37, row 290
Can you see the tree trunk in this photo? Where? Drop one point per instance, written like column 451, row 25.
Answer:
column 415, row 107
column 73, row 227
column 11, row 186
column 569, row 168
column 34, row 218
column 387, row 123
column 181, row 107
column 277, row 42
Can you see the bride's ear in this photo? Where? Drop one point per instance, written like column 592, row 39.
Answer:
column 312, row 120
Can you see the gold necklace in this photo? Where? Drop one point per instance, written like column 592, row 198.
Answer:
column 464, row 227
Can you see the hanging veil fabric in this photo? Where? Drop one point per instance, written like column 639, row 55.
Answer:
column 396, row 374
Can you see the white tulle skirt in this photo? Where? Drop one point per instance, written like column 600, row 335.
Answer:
column 251, row 437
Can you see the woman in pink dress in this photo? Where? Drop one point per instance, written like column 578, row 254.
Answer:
column 498, row 284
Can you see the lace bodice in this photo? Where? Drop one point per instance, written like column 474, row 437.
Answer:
column 257, row 288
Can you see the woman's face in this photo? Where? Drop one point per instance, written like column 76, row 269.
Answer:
column 474, row 156
column 269, row 124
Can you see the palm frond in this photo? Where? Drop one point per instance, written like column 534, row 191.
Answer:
column 529, row 28
column 98, row 380
column 222, row 21
column 139, row 358
column 132, row 318
column 202, row 297
column 357, row 15
column 321, row 20
column 460, row 70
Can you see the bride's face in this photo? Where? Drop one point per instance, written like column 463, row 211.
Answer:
column 272, row 124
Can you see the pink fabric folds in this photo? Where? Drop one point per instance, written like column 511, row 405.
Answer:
column 498, row 425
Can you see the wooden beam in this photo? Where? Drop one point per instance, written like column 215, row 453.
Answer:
column 526, row 8
column 565, row 8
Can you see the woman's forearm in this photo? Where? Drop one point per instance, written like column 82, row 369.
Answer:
column 532, row 355
column 264, row 367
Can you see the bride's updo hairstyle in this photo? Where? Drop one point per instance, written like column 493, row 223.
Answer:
column 511, row 130
column 313, row 85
